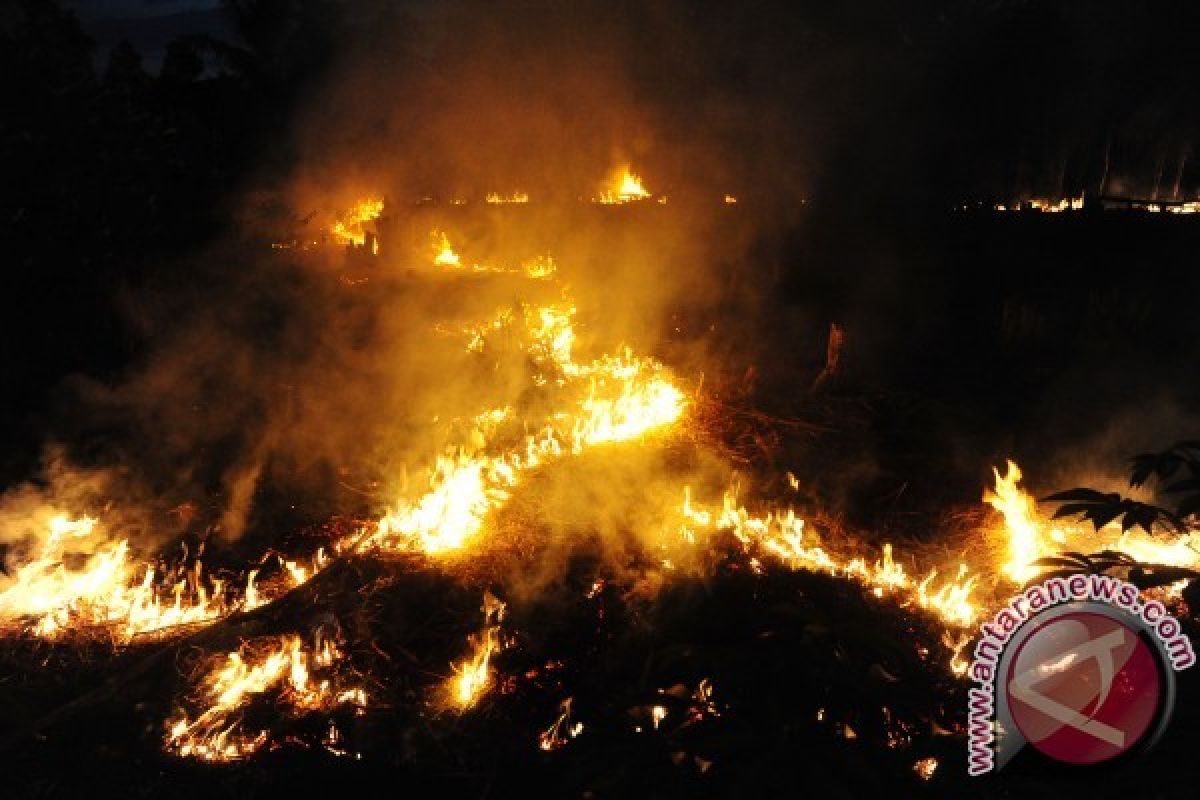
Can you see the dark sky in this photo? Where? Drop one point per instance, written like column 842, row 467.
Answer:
column 147, row 24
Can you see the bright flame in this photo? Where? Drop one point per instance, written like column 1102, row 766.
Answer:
column 303, row 676
column 783, row 537
column 108, row 589
column 443, row 252
column 515, row 197
column 1029, row 536
column 473, row 676
column 562, row 730
column 612, row 399
column 623, row 187
column 350, row 228
column 1020, row 516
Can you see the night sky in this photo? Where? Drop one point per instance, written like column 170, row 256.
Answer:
column 147, row 24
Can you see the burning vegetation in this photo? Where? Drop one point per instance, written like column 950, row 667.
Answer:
column 494, row 437
column 452, row 519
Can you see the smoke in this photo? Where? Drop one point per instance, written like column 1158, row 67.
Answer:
column 110, row 495
column 293, row 385
column 286, row 386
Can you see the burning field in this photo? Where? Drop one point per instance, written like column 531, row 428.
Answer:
column 601, row 559
column 474, row 402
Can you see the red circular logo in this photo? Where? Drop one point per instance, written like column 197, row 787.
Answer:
column 1084, row 688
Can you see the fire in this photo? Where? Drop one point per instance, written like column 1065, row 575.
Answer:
column 614, row 398
column 925, row 767
column 1055, row 207
column 623, row 187
column 782, row 536
column 562, row 730
column 1025, row 543
column 301, row 675
column 591, row 399
column 350, row 228
column 730, row 200
column 443, row 251
column 109, row 590
column 444, row 255
column 473, row 676
column 1029, row 536
column 515, row 197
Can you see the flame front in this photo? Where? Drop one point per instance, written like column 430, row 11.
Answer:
column 110, row 590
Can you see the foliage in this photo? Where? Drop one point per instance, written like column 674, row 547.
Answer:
column 1175, row 471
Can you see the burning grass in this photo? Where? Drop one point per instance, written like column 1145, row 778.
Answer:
column 639, row 594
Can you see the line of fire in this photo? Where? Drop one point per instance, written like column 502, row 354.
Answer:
column 582, row 400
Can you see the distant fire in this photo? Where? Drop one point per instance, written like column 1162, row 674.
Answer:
column 443, row 251
column 350, row 227
column 496, row 198
column 623, row 187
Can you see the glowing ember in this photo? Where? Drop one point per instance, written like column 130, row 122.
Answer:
column 925, row 767
column 562, row 730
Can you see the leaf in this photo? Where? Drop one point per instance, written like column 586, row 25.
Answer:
column 1148, row 576
column 1071, row 509
column 1058, row 561
column 1115, row 555
column 1187, row 508
column 1080, row 495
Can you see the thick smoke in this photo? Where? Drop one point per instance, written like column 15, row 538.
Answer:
column 279, row 383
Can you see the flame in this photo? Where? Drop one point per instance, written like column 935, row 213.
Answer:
column 1025, row 541
column 562, row 730
column 109, row 589
column 515, row 197
column 1058, row 206
column 782, row 536
column 1029, row 536
column 473, row 677
column 623, row 187
column 616, row 398
column 730, row 200
column 350, row 228
column 285, row 665
column 443, row 252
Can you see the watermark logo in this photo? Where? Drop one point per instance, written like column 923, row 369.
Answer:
column 1079, row 668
